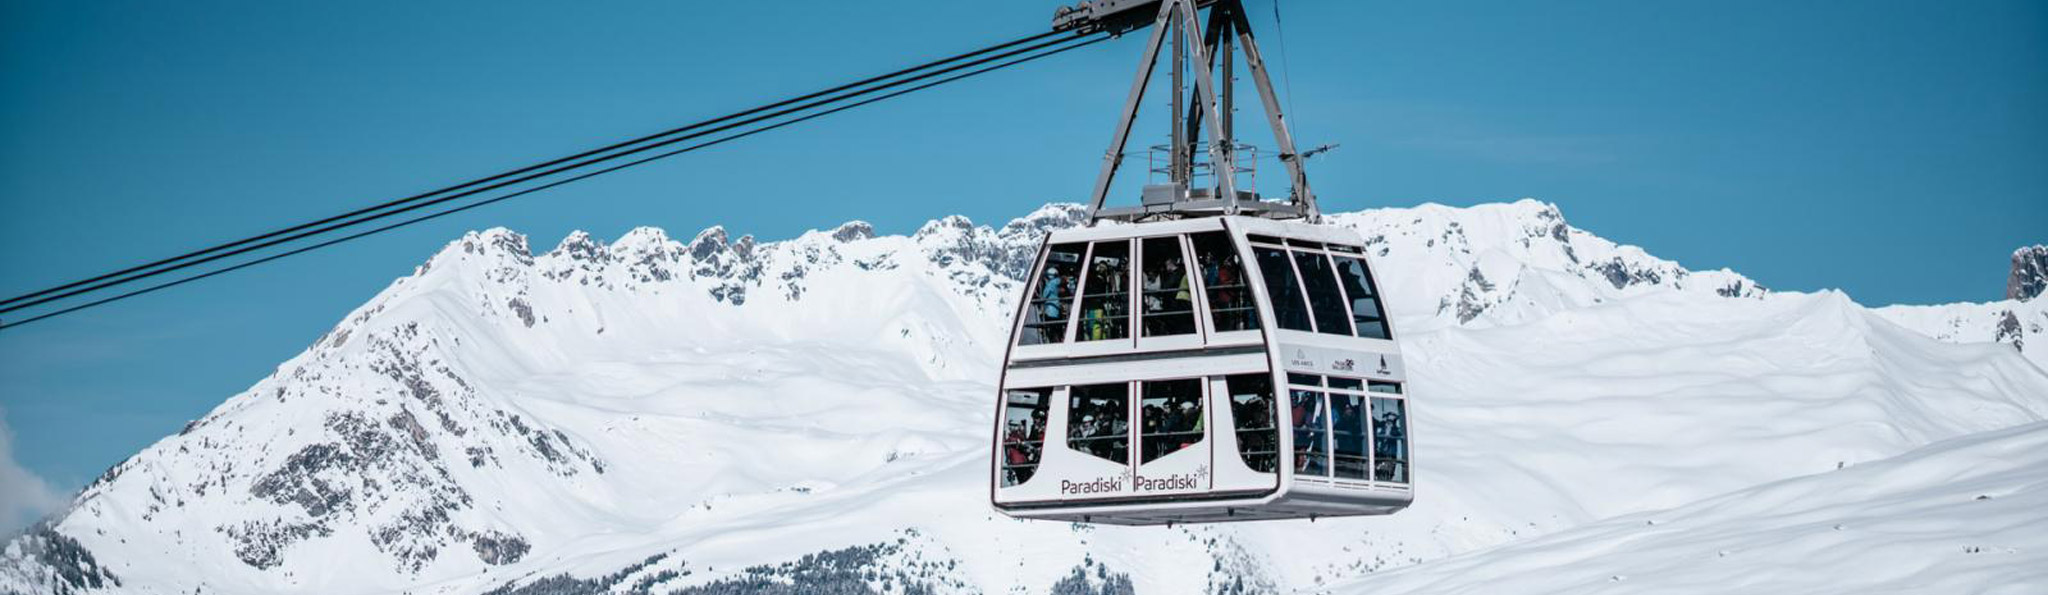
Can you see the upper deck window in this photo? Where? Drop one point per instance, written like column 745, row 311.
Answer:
column 1290, row 310
column 1105, row 296
column 1324, row 299
column 1368, row 314
column 1047, row 313
column 1167, row 300
column 1230, row 300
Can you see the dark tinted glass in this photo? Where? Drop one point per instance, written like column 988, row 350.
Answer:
column 1325, row 300
column 1348, row 435
column 1368, row 315
column 1289, row 309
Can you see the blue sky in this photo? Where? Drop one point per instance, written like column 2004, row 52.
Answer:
column 1892, row 149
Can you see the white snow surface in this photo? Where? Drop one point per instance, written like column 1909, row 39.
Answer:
column 650, row 415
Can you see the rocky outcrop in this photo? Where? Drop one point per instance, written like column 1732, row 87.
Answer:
column 2029, row 273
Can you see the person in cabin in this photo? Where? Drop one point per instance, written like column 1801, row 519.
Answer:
column 1050, row 294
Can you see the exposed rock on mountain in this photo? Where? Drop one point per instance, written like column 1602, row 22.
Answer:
column 2029, row 273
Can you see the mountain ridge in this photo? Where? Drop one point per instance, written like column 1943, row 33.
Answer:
column 479, row 421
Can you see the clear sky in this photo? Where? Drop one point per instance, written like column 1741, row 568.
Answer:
column 1896, row 150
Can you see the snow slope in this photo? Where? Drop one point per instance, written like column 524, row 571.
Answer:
column 729, row 415
column 2017, row 323
column 1957, row 516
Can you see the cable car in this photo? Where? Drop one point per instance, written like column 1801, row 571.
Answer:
column 1200, row 370
column 1206, row 355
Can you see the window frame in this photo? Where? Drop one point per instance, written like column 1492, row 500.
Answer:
column 1372, row 284
column 1138, row 433
column 1081, row 297
column 1407, row 439
column 1036, row 285
column 1295, row 453
column 1074, row 394
column 1030, row 469
column 1213, row 332
column 1273, row 301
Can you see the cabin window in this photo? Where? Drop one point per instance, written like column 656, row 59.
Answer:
column 1251, row 405
column 1346, row 383
column 1348, row 434
column 1106, row 298
column 1389, row 440
column 1230, row 300
column 1167, row 298
column 1170, row 417
column 1289, row 311
column 1046, row 315
column 1325, row 300
column 1379, row 386
column 1310, row 420
column 1368, row 314
column 1023, row 433
column 1098, row 421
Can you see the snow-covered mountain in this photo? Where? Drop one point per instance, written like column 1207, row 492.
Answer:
column 730, row 415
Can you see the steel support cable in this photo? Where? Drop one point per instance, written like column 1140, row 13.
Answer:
column 525, row 178
column 530, row 168
column 1087, row 40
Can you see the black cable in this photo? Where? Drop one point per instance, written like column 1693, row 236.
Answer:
column 550, row 163
column 451, row 211
column 526, row 178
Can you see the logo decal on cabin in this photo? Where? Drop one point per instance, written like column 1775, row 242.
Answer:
column 1179, row 482
column 1097, row 486
column 1384, row 370
column 1301, row 360
column 1344, row 365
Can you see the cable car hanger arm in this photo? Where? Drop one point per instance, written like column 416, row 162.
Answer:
column 1211, row 100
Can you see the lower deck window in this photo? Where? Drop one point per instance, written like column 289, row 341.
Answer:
column 1251, row 405
column 1348, row 435
column 1171, row 417
column 1310, row 448
column 1390, row 440
column 1023, row 433
column 1098, row 421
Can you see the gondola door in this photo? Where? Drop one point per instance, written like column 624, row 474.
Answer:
column 1173, row 445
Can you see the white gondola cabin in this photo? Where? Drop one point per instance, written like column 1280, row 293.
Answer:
column 1213, row 356
column 1202, row 370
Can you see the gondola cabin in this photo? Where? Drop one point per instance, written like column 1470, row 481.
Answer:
column 1205, row 369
